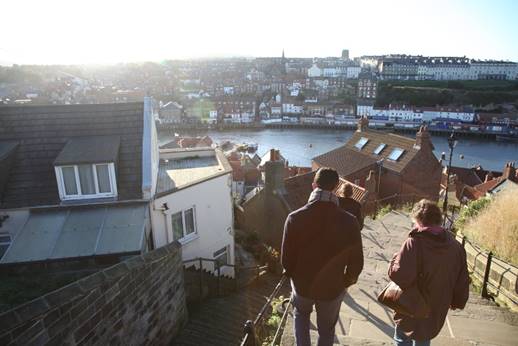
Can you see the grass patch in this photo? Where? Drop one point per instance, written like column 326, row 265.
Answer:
column 493, row 225
column 383, row 211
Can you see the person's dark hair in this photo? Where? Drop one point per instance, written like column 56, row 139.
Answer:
column 427, row 213
column 326, row 178
column 346, row 190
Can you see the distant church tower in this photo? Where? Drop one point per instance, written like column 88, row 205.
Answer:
column 283, row 63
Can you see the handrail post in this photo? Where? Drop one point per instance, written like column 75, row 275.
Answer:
column 463, row 241
column 486, row 275
column 248, row 329
column 235, row 278
column 201, row 279
column 218, row 268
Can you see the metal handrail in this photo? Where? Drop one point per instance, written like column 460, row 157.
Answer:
column 250, row 327
column 197, row 259
column 283, row 319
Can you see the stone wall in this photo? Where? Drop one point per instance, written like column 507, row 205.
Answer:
column 503, row 277
column 137, row 302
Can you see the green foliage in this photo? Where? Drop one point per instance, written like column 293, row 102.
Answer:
column 432, row 93
column 383, row 211
column 470, row 211
column 273, row 322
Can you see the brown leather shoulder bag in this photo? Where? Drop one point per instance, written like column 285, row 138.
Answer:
column 409, row 301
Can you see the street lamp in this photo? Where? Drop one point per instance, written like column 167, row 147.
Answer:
column 452, row 142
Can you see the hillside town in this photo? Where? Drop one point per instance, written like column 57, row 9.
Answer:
column 278, row 91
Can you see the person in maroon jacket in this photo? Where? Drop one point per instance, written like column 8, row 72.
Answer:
column 322, row 255
column 444, row 277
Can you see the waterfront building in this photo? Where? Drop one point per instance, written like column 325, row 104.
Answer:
column 401, row 166
column 408, row 67
column 367, row 85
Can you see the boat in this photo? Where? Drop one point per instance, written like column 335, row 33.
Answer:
column 507, row 138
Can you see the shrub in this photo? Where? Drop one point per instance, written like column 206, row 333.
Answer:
column 494, row 226
column 470, row 211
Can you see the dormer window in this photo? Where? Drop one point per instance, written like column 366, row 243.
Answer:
column 361, row 143
column 85, row 168
column 86, row 181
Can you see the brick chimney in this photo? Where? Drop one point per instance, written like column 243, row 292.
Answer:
column 371, row 184
column 363, row 124
column 509, row 171
column 423, row 138
column 274, row 173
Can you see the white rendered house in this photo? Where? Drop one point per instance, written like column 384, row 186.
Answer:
column 193, row 204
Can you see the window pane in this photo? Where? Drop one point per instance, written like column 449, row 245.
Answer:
column 176, row 220
column 86, row 178
column 189, row 221
column 221, row 256
column 69, row 177
column 103, row 178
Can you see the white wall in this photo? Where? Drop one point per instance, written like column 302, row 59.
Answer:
column 213, row 214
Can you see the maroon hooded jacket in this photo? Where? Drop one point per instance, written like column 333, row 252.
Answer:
column 444, row 284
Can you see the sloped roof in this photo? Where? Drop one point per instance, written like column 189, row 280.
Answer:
column 93, row 149
column 345, row 160
column 298, row 189
column 61, row 233
column 348, row 159
column 467, row 176
column 43, row 132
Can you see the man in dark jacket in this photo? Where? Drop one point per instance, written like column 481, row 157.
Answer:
column 433, row 256
column 322, row 255
column 349, row 204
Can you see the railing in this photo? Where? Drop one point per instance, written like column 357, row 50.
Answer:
column 218, row 267
column 253, row 330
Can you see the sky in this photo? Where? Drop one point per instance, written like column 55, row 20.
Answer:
column 111, row 31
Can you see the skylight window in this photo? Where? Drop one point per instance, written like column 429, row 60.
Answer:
column 361, row 143
column 379, row 149
column 396, row 154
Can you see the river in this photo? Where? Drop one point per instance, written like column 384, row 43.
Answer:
column 299, row 146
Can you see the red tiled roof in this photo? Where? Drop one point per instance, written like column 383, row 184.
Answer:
column 488, row 185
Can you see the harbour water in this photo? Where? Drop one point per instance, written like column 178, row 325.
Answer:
column 299, row 146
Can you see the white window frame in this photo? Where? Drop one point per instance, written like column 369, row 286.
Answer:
column 225, row 251
column 361, row 143
column 393, row 153
column 61, row 182
column 186, row 237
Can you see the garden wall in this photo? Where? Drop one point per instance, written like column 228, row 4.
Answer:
column 137, row 302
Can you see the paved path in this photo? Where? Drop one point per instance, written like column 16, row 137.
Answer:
column 363, row 321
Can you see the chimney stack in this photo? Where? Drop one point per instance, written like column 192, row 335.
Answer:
column 509, row 171
column 274, row 173
column 363, row 124
column 423, row 138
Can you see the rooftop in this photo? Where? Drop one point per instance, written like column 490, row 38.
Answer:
column 180, row 168
column 60, row 132
column 71, row 232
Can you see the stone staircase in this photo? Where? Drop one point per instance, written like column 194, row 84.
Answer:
column 220, row 321
column 363, row 321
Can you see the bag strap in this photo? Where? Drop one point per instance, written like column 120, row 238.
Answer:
column 419, row 257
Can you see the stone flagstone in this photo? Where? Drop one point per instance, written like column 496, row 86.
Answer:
column 363, row 321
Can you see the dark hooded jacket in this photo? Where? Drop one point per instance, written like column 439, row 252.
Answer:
column 322, row 250
column 444, row 283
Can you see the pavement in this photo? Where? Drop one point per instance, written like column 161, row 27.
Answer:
column 363, row 321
